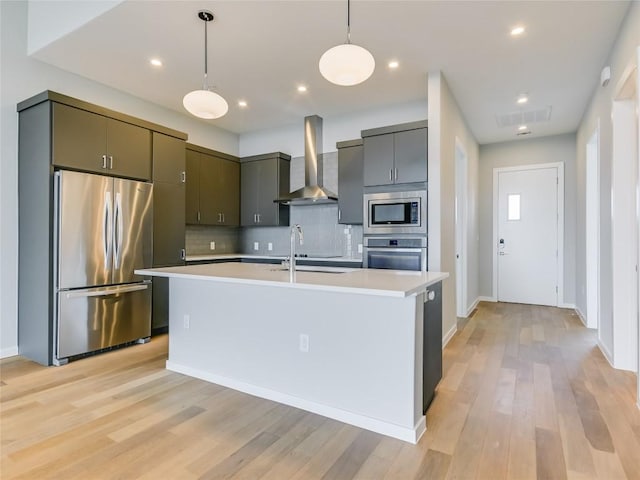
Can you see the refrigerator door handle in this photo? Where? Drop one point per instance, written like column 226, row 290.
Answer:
column 102, row 292
column 118, row 226
column 107, row 229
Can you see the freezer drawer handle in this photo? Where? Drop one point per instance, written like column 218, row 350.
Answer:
column 105, row 292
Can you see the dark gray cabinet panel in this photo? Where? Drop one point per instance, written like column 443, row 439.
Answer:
column 213, row 190
column 398, row 157
column 378, row 157
column 410, row 154
column 169, row 155
column 432, row 344
column 263, row 181
column 87, row 141
column 168, row 224
column 350, row 186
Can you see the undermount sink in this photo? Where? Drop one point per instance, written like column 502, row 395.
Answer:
column 314, row 269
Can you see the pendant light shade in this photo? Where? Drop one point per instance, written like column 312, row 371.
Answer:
column 205, row 103
column 347, row 64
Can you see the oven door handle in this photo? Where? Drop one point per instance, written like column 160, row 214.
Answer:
column 394, row 249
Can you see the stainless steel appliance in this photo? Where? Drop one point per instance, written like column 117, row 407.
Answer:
column 396, row 213
column 103, row 233
column 396, row 253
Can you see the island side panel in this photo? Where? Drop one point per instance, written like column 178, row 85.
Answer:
column 365, row 352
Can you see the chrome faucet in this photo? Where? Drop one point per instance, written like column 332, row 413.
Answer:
column 292, row 254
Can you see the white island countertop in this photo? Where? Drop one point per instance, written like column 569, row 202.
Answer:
column 389, row 283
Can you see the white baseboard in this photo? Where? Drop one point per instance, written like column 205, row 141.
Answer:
column 567, row 305
column 473, row 307
column 411, row 435
column 606, row 353
column 581, row 316
column 487, row 299
column 449, row 335
column 9, row 352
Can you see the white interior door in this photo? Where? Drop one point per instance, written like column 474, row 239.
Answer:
column 527, row 234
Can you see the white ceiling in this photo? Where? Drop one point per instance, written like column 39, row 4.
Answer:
column 261, row 50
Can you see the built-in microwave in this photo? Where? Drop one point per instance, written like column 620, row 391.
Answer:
column 395, row 212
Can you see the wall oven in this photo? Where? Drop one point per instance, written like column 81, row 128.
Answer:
column 406, row 253
column 395, row 213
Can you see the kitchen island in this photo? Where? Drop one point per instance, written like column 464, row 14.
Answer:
column 343, row 343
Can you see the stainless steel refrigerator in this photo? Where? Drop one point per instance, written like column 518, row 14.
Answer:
column 103, row 233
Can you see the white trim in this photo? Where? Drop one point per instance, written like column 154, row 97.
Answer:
column 473, row 307
column 9, row 352
column 449, row 335
column 487, row 299
column 461, row 228
column 560, row 244
column 411, row 435
column 605, row 353
column 581, row 316
column 571, row 306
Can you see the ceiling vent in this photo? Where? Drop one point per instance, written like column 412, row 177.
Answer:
column 524, row 117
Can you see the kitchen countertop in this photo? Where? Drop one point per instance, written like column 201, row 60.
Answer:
column 389, row 283
column 232, row 256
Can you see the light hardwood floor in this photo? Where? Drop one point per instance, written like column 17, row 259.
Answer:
column 526, row 394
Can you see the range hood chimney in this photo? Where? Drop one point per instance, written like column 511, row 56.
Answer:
column 313, row 191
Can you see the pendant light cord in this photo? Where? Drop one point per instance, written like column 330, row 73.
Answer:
column 205, row 86
column 348, row 21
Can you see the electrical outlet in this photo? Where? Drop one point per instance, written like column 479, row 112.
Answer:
column 212, row 245
column 270, row 246
column 304, row 342
column 256, row 246
column 359, row 248
column 186, row 321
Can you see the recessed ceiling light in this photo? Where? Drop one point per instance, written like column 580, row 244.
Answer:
column 519, row 30
column 522, row 99
column 302, row 88
column 522, row 128
column 156, row 62
column 242, row 103
column 394, row 64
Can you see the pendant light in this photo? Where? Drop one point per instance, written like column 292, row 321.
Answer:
column 205, row 103
column 347, row 64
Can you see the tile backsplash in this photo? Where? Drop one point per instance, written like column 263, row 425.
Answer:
column 323, row 235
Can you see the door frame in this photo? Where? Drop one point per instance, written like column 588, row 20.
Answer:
column 461, row 204
column 592, row 258
column 559, row 166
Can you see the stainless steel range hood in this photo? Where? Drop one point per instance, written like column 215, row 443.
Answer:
column 313, row 191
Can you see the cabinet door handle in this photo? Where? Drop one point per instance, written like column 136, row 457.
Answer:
column 339, row 214
column 104, row 161
column 110, row 162
column 219, row 217
column 391, row 174
column 183, row 254
column 396, row 172
column 183, row 177
column 198, row 216
column 223, row 220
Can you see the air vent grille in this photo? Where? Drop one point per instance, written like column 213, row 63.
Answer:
column 523, row 117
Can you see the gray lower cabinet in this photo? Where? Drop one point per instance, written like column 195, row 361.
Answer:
column 264, row 178
column 395, row 154
column 169, row 158
column 432, row 344
column 91, row 142
column 213, row 188
column 350, row 183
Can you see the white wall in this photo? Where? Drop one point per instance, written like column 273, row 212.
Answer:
column 446, row 123
column 22, row 77
column 622, row 54
column 290, row 139
column 559, row 148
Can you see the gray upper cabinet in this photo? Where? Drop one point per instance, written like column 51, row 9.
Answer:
column 350, row 186
column 213, row 188
column 394, row 157
column 168, row 200
column 91, row 142
column 264, row 178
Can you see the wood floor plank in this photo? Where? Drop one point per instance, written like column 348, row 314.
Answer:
column 526, row 394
